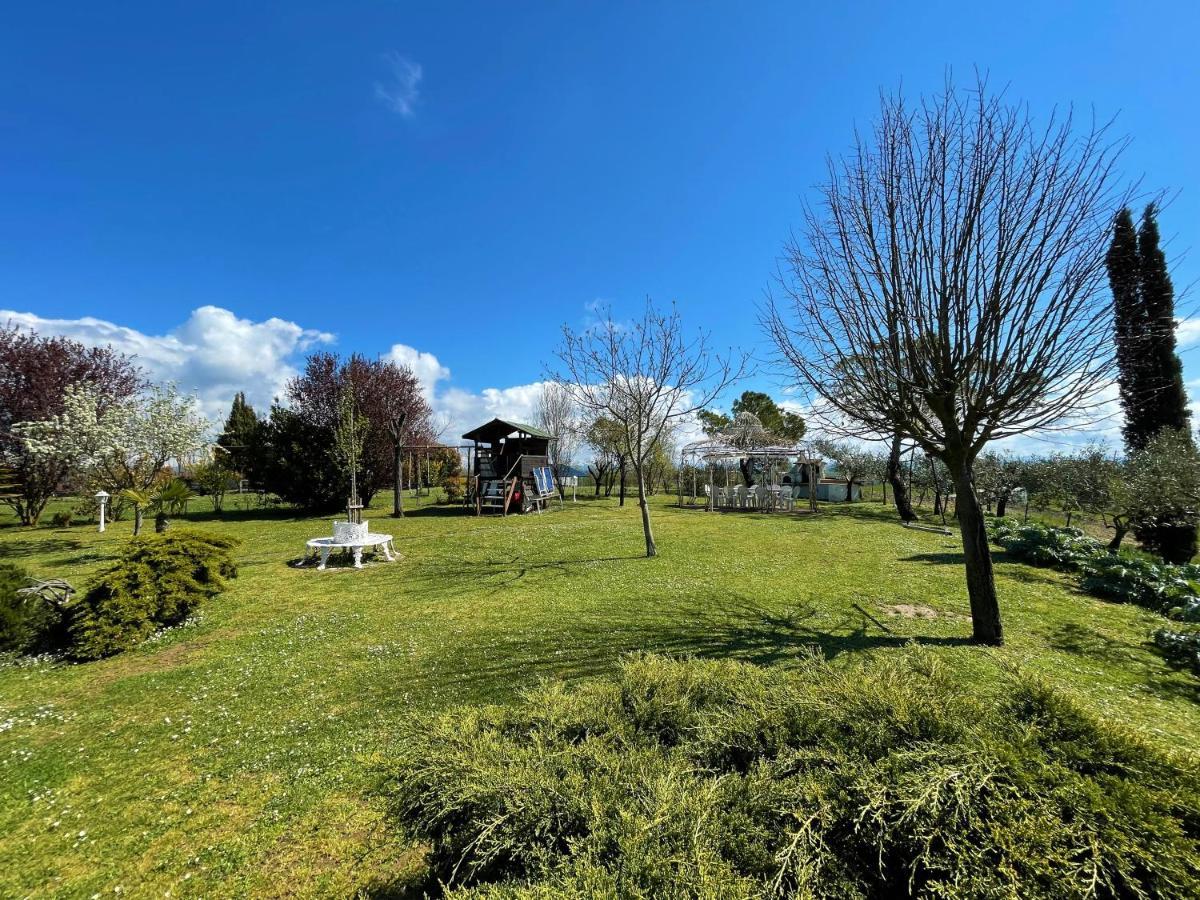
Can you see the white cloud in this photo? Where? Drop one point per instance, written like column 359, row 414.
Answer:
column 424, row 365
column 462, row 410
column 1187, row 330
column 213, row 354
column 401, row 90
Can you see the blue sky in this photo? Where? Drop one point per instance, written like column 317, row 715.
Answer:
column 462, row 179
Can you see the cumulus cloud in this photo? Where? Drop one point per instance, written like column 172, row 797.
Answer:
column 1187, row 331
column 424, row 365
column 461, row 410
column 401, row 89
column 213, row 354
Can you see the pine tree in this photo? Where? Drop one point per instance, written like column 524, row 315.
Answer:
column 241, row 435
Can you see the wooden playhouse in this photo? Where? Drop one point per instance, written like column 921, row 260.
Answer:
column 508, row 468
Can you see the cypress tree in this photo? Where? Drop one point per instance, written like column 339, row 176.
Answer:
column 1130, row 326
column 1150, row 373
column 1169, row 407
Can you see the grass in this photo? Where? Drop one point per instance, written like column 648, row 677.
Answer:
column 237, row 756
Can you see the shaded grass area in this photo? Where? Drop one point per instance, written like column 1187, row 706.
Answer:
column 236, row 757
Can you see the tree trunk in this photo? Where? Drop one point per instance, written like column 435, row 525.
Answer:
column 747, row 475
column 651, row 549
column 1002, row 503
column 137, row 520
column 981, row 582
column 1120, row 529
column 397, row 482
column 622, row 492
column 895, row 476
column 849, row 490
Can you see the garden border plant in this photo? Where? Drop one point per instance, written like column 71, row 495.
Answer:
column 711, row 779
column 1161, row 587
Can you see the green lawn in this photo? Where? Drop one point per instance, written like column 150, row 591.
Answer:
column 235, row 756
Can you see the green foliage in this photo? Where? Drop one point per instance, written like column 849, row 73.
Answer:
column 62, row 519
column 1162, row 587
column 29, row 623
column 1180, row 646
column 297, row 462
column 1150, row 376
column 157, row 582
column 719, row 779
column 213, row 477
column 775, row 419
column 174, row 496
column 1164, row 492
column 242, row 436
column 455, row 488
column 778, row 422
column 1043, row 545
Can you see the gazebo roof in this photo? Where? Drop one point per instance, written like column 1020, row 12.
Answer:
column 716, row 451
column 497, row 429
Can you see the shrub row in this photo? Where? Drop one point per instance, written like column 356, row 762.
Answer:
column 1180, row 646
column 157, row 582
column 1162, row 587
column 719, row 779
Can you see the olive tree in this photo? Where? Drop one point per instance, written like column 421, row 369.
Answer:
column 949, row 287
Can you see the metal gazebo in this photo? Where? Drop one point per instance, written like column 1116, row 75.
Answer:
column 785, row 470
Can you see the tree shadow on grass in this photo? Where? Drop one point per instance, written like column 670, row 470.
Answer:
column 436, row 511
column 33, row 546
column 949, row 558
column 266, row 513
column 1080, row 640
column 718, row 629
column 453, row 577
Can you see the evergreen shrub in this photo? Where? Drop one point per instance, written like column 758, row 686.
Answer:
column 719, row 779
column 158, row 582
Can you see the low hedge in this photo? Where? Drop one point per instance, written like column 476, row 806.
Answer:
column 1162, row 587
column 1180, row 646
column 717, row 779
column 158, row 582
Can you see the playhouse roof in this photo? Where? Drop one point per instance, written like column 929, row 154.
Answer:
column 496, row 429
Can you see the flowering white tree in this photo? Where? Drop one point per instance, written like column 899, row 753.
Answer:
column 123, row 446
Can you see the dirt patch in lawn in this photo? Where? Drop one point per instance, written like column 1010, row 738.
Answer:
column 911, row 611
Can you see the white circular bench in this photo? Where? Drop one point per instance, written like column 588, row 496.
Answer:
column 326, row 545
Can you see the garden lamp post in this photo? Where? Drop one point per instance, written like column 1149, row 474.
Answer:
column 102, row 497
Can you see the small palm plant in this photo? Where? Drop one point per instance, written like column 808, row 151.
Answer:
column 169, row 497
column 141, row 501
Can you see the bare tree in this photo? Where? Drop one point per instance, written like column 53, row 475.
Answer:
column 557, row 414
column 949, row 287
column 644, row 376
